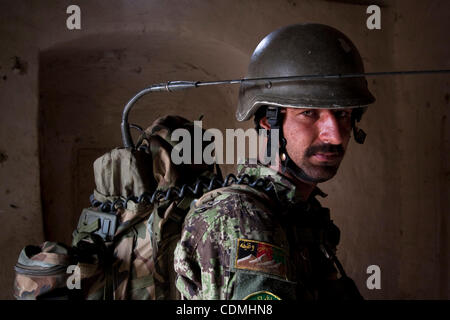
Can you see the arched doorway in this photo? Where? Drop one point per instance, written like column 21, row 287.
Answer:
column 83, row 87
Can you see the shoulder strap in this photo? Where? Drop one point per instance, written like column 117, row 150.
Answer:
column 261, row 195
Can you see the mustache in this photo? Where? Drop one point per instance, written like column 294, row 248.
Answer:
column 325, row 148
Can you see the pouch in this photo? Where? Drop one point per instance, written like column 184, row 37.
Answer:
column 41, row 272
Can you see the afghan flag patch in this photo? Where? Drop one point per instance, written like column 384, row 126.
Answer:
column 260, row 256
column 262, row 295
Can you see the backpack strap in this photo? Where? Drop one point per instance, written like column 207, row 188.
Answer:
column 164, row 213
column 179, row 212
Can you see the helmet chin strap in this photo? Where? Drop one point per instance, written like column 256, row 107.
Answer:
column 275, row 120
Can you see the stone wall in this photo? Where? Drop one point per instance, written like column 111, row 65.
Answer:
column 62, row 97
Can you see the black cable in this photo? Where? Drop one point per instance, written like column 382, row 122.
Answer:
column 175, row 193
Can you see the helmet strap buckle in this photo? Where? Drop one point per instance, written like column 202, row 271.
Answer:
column 358, row 134
column 274, row 118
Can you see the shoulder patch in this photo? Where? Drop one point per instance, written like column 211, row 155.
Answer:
column 260, row 256
column 262, row 295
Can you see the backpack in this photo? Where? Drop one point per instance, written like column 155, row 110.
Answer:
column 124, row 242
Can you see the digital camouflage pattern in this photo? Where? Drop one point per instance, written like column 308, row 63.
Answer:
column 226, row 221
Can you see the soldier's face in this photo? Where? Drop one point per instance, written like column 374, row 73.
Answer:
column 316, row 141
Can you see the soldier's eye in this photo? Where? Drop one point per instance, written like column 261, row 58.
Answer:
column 341, row 114
column 307, row 113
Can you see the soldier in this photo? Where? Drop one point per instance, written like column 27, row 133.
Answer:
column 241, row 242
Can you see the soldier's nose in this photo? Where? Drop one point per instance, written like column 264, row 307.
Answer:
column 329, row 130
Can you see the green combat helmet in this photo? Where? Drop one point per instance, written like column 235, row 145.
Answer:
column 304, row 49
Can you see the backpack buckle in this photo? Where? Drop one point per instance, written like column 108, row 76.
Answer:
column 107, row 223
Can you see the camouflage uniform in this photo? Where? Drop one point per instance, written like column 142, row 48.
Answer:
column 240, row 242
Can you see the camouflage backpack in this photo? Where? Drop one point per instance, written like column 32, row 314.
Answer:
column 124, row 243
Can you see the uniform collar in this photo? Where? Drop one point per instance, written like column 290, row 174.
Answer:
column 285, row 190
